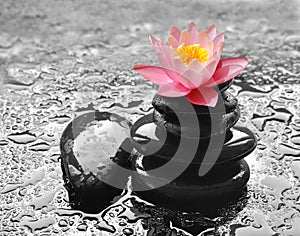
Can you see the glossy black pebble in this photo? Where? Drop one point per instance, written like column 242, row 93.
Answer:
column 222, row 184
column 170, row 105
column 208, row 124
column 150, row 138
column 91, row 145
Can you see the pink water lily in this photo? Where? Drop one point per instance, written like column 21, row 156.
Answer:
column 191, row 65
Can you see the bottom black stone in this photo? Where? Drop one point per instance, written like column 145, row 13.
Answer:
column 222, row 184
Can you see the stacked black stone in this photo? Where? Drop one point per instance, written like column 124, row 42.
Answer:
column 157, row 137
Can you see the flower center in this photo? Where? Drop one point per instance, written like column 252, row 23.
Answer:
column 187, row 53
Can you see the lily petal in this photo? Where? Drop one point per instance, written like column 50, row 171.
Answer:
column 172, row 42
column 172, row 90
column 167, row 54
column 185, row 38
column 243, row 62
column 192, row 80
column 179, row 65
column 196, row 74
column 210, row 49
column 201, row 39
column 225, row 74
column 211, row 67
column 162, row 51
column 214, row 61
column 175, row 32
column 226, row 70
column 218, row 40
column 153, row 40
column 219, row 49
column 203, row 96
column 193, row 30
column 211, row 32
column 157, row 75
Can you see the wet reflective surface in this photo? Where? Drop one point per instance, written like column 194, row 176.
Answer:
column 60, row 59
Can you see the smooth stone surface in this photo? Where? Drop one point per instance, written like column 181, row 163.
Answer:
column 222, row 184
column 226, row 104
column 208, row 124
column 239, row 143
column 91, row 146
column 152, row 139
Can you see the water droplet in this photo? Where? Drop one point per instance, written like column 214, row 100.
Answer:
column 296, row 168
column 42, row 146
column 60, row 119
column 280, row 115
column 39, row 224
column 63, row 223
column 259, row 227
column 3, row 142
column 277, row 185
column 128, row 231
column 36, row 176
column 287, row 150
column 22, row 138
column 44, row 200
column 295, row 139
column 82, row 227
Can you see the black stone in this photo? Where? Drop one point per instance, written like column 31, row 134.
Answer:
column 208, row 124
column 215, row 189
column 226, row 104
column 238, row 142
column 91, row 146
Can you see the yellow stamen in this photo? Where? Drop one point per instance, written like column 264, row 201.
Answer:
column 187, row 53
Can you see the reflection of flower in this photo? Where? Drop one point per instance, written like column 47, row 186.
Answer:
column 191, row 65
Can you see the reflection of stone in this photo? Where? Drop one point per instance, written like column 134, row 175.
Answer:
column 91, row 146
column 229, row 173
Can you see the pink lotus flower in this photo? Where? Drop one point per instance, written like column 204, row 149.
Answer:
column 191, row 65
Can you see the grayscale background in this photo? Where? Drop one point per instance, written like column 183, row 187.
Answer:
column 57, row 57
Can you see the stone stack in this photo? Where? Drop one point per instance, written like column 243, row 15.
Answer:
column 157, row 137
